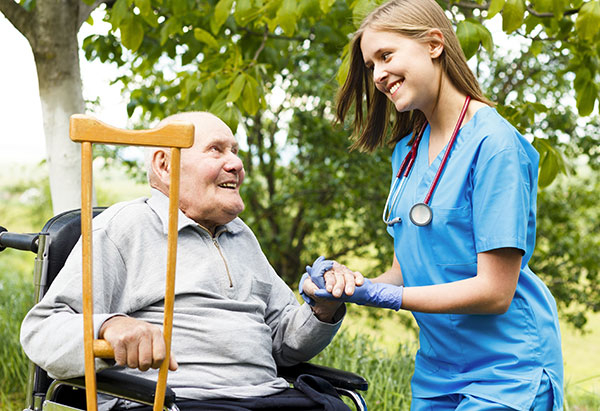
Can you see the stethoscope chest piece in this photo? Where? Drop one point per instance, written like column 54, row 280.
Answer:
column 420, row 214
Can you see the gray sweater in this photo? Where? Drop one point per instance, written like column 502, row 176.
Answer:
column 234, row 320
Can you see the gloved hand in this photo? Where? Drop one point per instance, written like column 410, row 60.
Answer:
column 319, row 267
column 381, row 295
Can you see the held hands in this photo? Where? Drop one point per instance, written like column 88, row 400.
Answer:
column 328, row 280
column 136, row 343
column 328, row 275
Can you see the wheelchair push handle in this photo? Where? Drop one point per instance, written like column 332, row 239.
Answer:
column 25, row 242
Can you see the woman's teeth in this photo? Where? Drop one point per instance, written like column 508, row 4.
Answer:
column 395, row 88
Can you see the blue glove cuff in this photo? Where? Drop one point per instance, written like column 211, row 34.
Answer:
column 381, row 295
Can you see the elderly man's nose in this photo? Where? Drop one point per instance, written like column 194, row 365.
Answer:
column 234, row 163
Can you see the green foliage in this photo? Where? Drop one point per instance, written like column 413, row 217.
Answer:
column 388, row 373
column 270, row 69
column 568, row 240
column 15, row 299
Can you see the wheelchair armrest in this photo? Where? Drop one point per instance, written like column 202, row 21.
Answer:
column 122, row 385
column 338, row 378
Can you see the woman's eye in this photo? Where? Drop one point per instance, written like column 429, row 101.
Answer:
column 385, row 56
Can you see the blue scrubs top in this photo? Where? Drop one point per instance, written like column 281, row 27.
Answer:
column 484, row 200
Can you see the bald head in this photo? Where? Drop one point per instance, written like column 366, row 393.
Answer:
column 211, row 171
column 200, row 119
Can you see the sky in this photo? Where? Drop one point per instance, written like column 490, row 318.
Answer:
column 21, row 129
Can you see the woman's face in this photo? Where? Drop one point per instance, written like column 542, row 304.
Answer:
column 403, row 69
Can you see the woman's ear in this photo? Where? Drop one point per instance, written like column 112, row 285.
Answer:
column 161, row 166
column 436, row 43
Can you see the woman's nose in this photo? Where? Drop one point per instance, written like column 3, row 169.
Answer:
column 379, row 74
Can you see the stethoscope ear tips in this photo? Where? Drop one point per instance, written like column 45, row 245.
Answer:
column 393, row 221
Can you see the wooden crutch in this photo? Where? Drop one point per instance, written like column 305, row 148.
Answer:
column 88, row 130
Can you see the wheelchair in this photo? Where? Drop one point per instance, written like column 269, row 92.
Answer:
column 52, row 246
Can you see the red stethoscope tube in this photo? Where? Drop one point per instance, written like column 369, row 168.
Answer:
column 421, row 213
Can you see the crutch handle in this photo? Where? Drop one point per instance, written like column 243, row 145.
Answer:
column 102, row 349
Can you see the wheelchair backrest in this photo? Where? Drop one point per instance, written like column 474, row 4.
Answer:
column 64, row 231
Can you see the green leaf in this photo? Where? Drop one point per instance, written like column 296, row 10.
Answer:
column 236, row 88
column 222, row 10
column 286, row 17
column 588, row 20
column 485, row 37
column 208, row 92
column 342, row 72
column 360, row 9
column 543, row 6
column 548, row 169
column 536, row 47
column 471, row 33
column 513, row 15
column 118, row 12
column 132, row 33
column 551, row 162
column 250, row 100
column 205, row 37
column 495, row 7
column 559, row 7
column 326, row 5
column 145, row 7
column 243, row 12
column 469, row 37
column 586, row 98
column 169, row 27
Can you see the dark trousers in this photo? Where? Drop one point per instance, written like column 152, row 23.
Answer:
column 310, row 394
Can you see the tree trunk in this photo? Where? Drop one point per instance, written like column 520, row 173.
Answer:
column 51, row 28
column 55, row 50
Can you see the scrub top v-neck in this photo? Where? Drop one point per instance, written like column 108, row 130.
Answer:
column 485, row 199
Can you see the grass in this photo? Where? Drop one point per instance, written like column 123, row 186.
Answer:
column 373, row 343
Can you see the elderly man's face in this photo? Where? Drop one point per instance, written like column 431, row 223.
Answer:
column 211, row 175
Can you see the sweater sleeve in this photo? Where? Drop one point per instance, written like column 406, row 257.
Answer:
column 298, row 335
column 52, row 331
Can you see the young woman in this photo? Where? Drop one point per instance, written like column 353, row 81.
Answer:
column 461, row 210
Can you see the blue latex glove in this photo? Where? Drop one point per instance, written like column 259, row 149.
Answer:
column 374, row 294
column 319, row 267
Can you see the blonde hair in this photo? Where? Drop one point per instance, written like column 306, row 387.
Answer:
column 412, row 19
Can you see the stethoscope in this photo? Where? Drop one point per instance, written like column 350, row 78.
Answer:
column 420, row 213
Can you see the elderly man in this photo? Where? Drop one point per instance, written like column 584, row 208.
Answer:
column 235, row 320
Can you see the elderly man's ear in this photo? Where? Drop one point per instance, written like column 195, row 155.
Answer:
column 161, row 167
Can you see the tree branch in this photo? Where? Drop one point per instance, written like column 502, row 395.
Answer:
column 485, row 6
column 548, row 15
column 17, row 15
column 273, row 35
column 85, row 10
column 262, row 46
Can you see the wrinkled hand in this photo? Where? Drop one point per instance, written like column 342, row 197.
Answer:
column 136, row 343
column 328, row 275
column 381, row 295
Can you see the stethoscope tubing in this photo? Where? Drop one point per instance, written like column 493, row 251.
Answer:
column 403, row 173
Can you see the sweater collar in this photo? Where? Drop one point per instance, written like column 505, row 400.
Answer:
column 159, row 203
